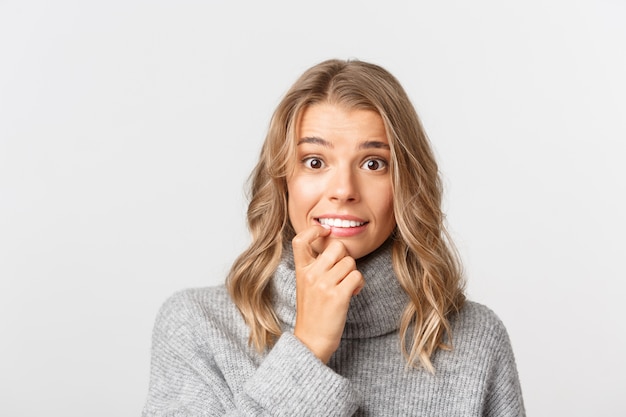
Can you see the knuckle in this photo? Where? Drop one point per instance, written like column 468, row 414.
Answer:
column 324, row 287
column 338, row 246
column 308, row 276
column 334, row 244
column 298, row 241
column 349, row 262
column 304, row 276
column 356, row 277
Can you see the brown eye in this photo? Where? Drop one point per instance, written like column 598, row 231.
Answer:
column 313, row 163
column 374, row 164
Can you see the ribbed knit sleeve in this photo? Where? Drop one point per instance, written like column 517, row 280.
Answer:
column 484, row 353
column 504, row 393
column 291, row 381
column 191, row 372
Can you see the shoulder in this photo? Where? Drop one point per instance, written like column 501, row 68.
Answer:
column 476, row 314
column 196, row 310
column 193, row 298
column 477, row 328
column 482, row 353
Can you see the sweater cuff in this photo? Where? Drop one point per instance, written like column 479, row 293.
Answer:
column 292, row 381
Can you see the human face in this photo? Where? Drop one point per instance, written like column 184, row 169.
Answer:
column 342, row 178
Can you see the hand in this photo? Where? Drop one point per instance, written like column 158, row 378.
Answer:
column 325, row 283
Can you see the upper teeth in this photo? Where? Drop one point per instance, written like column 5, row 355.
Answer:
column 340, row 223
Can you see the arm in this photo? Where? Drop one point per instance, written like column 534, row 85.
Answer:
column 504, row 396
column 187, row 380
column 291, row 381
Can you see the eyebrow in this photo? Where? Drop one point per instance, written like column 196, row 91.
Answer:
column 315, row 141
column 374, row 144
column 368, row 144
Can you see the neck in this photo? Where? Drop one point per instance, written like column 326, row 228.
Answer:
column 375, row 311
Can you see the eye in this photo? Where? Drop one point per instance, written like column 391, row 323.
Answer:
column 374, row 164
column 313, row 163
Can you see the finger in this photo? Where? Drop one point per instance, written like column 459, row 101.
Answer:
column 335, row 251
column 303, row 253
column 352, row 284
column 342, row 268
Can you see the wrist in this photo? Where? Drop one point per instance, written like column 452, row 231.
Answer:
column 321, row 350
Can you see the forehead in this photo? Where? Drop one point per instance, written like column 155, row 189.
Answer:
column 335, row 122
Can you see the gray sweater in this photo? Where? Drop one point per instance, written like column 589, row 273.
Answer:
column 202, row 364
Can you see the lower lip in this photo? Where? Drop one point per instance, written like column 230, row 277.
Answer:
column 347, row 231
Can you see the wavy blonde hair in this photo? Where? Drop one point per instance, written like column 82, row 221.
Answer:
column 424, row 259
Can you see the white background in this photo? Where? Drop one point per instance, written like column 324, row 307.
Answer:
column 128, row 129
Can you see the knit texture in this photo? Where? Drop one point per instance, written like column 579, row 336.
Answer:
column 202, row 364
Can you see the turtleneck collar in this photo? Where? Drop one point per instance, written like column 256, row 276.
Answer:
column 375, row 311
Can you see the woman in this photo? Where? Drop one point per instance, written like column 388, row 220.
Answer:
column 349, row 300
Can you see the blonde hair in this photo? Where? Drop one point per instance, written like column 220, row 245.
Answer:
column 424, row 259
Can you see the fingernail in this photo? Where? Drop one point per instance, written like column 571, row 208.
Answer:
column 325, row 226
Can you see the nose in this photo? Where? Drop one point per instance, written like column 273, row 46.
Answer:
column 343, row 185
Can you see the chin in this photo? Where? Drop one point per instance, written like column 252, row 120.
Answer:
column 354, row 248
column 358, row 251
column 360, row 254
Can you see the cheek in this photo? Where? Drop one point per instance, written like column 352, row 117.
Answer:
column 385, row 213
column 382, row 197
column 389, row 218
column 298, row 202
column 389, row 207
column 305, row 192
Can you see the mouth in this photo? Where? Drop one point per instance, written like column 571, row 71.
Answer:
column 339, row 223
